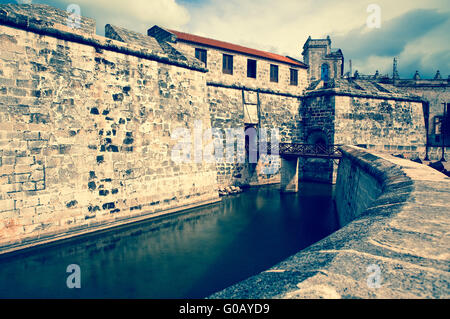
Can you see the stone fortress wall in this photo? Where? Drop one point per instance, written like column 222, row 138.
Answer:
column 430, row 92
column 237, row 100
column 86, row 122
column 358, row 113
column 386, row 124
column 435, row 94
column 85, row 129
column 275, row 112
column 435, row 91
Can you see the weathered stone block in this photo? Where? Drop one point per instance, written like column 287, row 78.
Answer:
column 27, row 160
column 7, row 204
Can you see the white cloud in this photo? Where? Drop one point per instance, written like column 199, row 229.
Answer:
column 427, row 54
column 137, row 15
column 279, row 26
column 284, row 26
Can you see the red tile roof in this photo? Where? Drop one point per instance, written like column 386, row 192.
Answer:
column 236, row 48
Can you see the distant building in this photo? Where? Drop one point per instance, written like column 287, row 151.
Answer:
column 437, row 92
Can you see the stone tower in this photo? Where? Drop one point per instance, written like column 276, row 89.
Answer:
column 324, row 63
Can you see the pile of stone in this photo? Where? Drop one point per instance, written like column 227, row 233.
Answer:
column 229, row 190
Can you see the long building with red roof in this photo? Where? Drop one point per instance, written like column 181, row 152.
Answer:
column 195, row 39
column 237, row 65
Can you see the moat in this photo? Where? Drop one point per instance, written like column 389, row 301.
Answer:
column 188, row 255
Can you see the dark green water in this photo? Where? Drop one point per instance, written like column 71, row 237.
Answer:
column 185, row 256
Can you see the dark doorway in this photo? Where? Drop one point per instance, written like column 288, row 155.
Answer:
column 325, row 72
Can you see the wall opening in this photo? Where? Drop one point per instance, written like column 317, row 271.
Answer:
column 325, row 72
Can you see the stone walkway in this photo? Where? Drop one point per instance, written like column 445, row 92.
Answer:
column 399, row 249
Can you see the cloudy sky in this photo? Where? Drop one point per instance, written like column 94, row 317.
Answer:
column 415, row 31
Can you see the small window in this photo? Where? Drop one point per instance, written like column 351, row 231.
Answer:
column 251, row 68
column 294, row 77
column 201, row 55
column 273, row 73
column 227, row 65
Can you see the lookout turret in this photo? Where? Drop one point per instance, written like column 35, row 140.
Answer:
column 324, row 62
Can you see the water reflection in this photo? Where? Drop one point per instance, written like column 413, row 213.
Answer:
column 186, row 256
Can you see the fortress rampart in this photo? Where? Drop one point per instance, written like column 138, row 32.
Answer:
column 85, row 126
column 393, row 242
column 87, row 122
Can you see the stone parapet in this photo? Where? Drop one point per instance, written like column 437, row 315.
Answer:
column 396, row 246
column 46, row 16
column 43, row 24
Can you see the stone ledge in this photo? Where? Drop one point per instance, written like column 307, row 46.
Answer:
column 401, row 232
column 19, row 246
column 379, row 96
column 252, row 89
column 59, row 31
column 45, row 15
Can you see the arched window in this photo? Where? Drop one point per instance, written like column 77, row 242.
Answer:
column 325, row 71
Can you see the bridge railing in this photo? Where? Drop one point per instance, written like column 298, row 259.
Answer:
column 305, row 150
column 310, row 150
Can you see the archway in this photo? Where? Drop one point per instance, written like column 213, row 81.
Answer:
column 317, row 137
column 316, row 169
